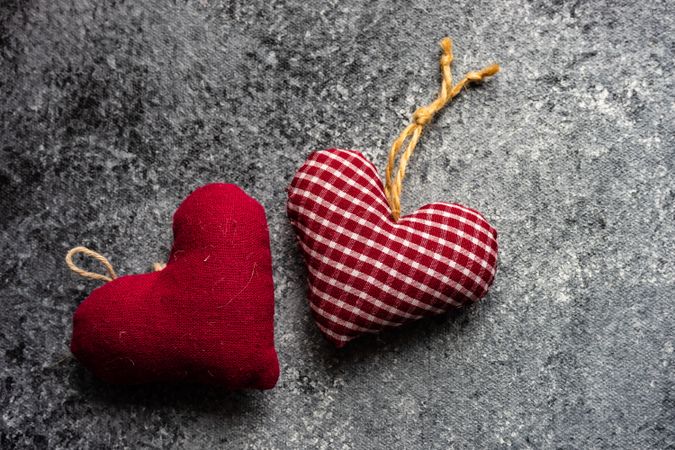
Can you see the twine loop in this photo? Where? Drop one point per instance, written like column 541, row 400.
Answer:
column 156, row 267
column 420, row 118
column 85, row 273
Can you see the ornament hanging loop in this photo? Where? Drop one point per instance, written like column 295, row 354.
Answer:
column 420, row 118
column 156, row 267
column 86, row 274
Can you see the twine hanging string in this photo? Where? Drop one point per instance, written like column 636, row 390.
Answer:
column 100, row 258
column 86, row 274
column 421, row 117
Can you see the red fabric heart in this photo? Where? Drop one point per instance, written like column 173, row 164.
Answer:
column 367, row 272
column 208, row 317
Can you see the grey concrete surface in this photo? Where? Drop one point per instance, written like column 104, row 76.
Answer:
column 112, row 112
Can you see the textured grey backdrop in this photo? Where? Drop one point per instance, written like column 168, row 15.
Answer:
column 112, row 112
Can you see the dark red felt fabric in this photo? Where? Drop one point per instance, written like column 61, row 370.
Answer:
column 208, row 317
column 368, row 273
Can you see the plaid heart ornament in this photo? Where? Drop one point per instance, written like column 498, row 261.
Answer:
column 367, row 272
column 370, row 269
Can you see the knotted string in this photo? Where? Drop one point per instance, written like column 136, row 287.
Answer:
column 421, row 117
column 100, row 258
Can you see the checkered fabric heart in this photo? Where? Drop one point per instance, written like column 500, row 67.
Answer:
column 367, row 272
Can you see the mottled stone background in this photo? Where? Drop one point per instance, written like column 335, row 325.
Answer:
column 113, row 111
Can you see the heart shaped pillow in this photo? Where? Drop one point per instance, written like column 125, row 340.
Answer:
column 367, row 272
column 207, row 317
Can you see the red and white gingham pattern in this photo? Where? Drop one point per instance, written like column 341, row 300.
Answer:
column 367, row 272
